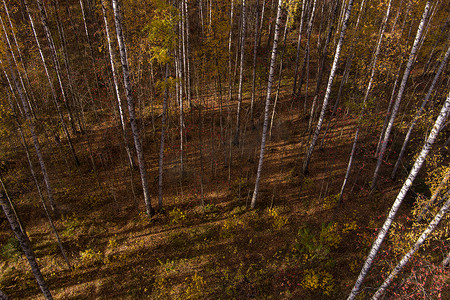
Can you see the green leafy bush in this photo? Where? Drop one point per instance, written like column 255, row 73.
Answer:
column 11, row 250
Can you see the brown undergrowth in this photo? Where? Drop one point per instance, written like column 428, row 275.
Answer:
column 297, row 244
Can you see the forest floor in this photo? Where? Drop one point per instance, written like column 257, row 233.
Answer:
column 296, row 244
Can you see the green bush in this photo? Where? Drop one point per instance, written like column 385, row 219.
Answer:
column 11, row 250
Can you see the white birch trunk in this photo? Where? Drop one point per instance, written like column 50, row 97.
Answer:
column 241, row 75
column 408, row 68
column 26, row 247
column 131, row 110
column 366, row 96
column 401, row 195
column 19, row 53
column 36, row 144
column 414, row 248
column 328, row 90
column 161, row 147
column 299, row 39
column 255, row 53
column 33, row 174
column 433, row 197
column 267, row 105
column 419, row 113
column 277, row 94
column 187, row 53
column 59, row 77
column 88, row 36
column 305, row 66
column 116, row 87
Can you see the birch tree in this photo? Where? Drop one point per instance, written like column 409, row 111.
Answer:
column 131, row 110
column 21, row 59
column 26, row 247
column 241, row 74
column 366, row 96
column 161, row 147
column 401, row 195
column 59, row 77
column 328, row 90
column 267, row 105
column 431, row 227
column 116, row 86
column 299, row 40
column 408, row 68
column 255, row 54
column 420, row 111
column 36, row 143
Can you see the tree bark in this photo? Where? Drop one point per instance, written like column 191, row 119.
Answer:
column 131, row 110
column 267, row 105
column 434, row 197
column 255, row 54
column 437, row 219
column 58, row 75
column 419, row 113
column 366, row 96
column 21, row 60
column 161, row 147
column 401, row 195
column 408, row 68
column 116, row 87
column 241, row 74
column 299, row 39
column 34, row 136
column 328, row 90
column 26, row 247
column 33, row 174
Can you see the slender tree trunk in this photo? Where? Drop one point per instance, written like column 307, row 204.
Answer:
column 433, row 198
column 13, row 207
column 401, row 195
column 33, row 174
column 26, row 247
column 230, row 57
column 188, row 65
column 277, row 94
column 388, row 111
column 263, row 9
column 73, row 91
column 299, row 39
column 431, row 227
column 131, row 110
column 116, row 87
column 267, row 105
column 325, row 46
column 34, row 136
column 419, row 113
column 328, row 90
column 241, row 75
column 161, row 148
column 305, row 66
column 347, row 68
column 366, row 96
column 408, row 68
column 88, row 38
column 255, row 54
column 30, row 91
column 58, row 75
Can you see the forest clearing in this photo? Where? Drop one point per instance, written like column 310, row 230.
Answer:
column 181, row 149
